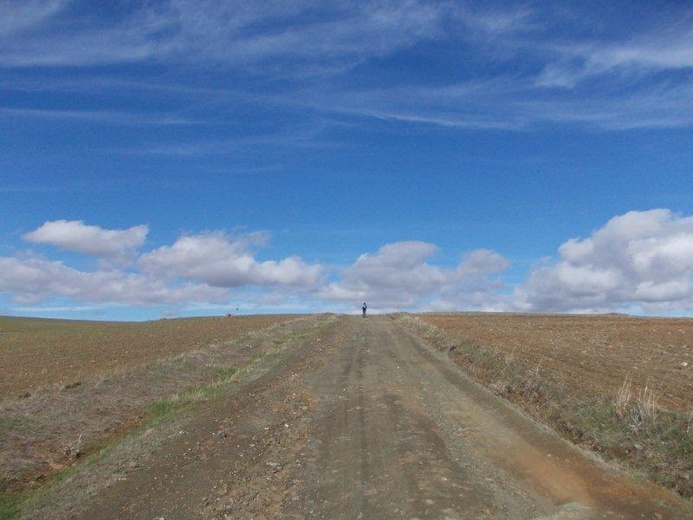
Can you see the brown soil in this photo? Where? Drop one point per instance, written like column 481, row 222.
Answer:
column 54, row 425
column 360, row 419
column 593, row 354
column 35, row 353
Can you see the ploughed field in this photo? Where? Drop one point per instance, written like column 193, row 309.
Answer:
column 596, row 354
column 67, row 387
column 36, row 353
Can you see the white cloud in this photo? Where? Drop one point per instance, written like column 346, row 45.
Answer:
column 112, row 117
column 668, row 50
column 348, row 33
column 489, row 22
column 514, row 103
column 399, row 276
column 16, row 17
column 34, row 280
column 217, row 260
column 75, row 235
column 482, row 262
column 50, row 34
column 637, row 262
column 641, row 259
column 277, row 40
column 234, row 33
column 195, row 270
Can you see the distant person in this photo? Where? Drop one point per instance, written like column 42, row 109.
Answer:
column 363, row 308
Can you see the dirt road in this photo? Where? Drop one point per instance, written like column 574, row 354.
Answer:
column 363, row 420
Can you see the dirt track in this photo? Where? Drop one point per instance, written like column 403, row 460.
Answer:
column 365, row 421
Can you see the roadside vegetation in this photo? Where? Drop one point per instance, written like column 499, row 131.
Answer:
column 629, row 427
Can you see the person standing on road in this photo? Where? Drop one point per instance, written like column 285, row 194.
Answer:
column 363, row 308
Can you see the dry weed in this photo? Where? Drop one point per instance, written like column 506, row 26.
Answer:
column 72, row 450
column 622, row 401
column 639, row 413
column 500, row 388
column 647, row 407
column 530, row 385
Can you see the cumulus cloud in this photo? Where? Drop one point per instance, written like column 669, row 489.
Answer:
column 219, row 261
column 399, row 275
column 35, row 280
column 637, row 262
column 643, row 259
column 75, row 235
column 195, row 269
column 483, row 261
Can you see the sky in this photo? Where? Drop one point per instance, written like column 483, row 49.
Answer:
column 167, row 158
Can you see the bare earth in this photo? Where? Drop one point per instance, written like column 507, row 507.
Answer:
column 37, row 353
column 593, row 354
column 365, row 421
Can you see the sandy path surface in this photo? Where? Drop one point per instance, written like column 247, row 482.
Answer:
column 365, row 421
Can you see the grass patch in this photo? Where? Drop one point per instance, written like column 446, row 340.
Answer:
column 224, row 374
column 161, row 408
column 14, row 425
column 631, row 429
column 193, row 395
column 10, row 506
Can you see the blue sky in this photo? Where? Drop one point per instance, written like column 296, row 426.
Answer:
column 173, row 158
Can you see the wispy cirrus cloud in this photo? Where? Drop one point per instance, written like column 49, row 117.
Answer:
column 486, row 22
column 666, row 49
column 505, row 104
column 655, row 106
column 100, row 116
column 520, row 68
column 17, row 17
column 232, row 33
